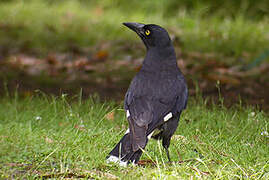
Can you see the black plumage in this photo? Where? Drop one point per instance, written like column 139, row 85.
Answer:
column 155, row 98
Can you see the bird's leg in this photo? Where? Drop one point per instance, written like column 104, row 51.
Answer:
column 167, row 153
column 166, row 144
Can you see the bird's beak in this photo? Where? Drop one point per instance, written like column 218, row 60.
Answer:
column 136, row 27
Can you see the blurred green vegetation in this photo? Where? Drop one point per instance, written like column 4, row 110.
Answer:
column 232, row 28
column 226, row 8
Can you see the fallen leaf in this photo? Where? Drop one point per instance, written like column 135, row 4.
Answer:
column 51, row 59
column 80, row 127
column 110, row 116
column 48, row 140
column 146, row 162
column 63, row 124
column 100, row 55
column 98, row 11
column 80, row 63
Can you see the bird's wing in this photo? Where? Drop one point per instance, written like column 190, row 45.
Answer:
column 181, row 95
column 148, row 104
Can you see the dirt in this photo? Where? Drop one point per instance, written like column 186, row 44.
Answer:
column 110, row 78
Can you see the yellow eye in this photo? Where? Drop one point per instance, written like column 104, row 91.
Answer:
column 147, row 32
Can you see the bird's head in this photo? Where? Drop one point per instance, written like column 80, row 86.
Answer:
column 152, row 35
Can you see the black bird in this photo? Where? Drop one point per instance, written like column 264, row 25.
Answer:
column 155, row 98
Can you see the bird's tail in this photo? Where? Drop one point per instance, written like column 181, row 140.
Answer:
column 123, row 153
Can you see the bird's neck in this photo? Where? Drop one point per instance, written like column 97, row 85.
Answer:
column 159, row 59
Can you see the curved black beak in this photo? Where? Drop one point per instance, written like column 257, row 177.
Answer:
column 137, row 27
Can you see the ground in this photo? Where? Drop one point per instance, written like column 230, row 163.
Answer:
column 66, row 137
column 205, row 74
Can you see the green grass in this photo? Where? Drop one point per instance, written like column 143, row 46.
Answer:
column 56, row 137
column 43, row 26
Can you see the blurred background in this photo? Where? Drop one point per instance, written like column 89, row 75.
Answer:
column 71, row 46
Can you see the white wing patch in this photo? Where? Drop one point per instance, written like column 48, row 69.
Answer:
column 149, row 136
column 168, row 116
column 127, row 113
column 127, row 131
